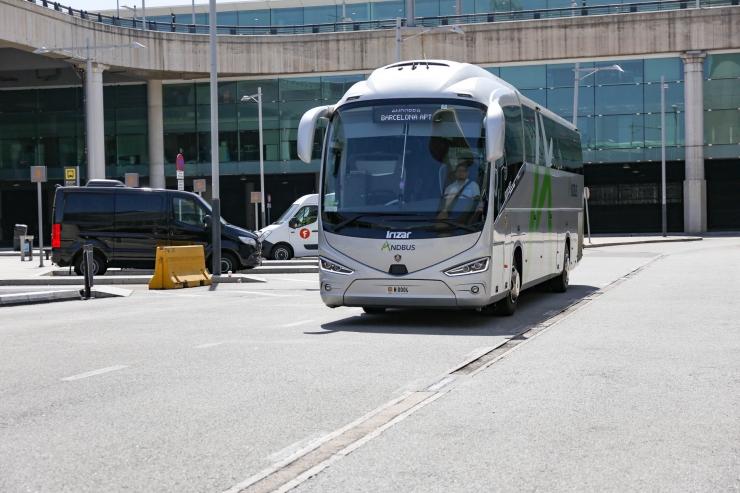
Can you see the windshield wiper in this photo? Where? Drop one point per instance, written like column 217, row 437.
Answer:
column 349, row 221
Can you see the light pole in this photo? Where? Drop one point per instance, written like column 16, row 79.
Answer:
column 72, row 51
column 418, row 30
column 193, row 12
column 258, row 98
column 216, row 200
column 578, row 79
column 663, row 87
column 143, row 13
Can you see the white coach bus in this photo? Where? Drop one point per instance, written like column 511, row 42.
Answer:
column 443, row 187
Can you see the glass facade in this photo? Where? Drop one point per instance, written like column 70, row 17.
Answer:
column 722, row 106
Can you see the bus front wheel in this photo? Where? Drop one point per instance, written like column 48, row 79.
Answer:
column 507, row 306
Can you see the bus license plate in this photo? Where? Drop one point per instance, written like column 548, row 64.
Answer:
column 398, row 290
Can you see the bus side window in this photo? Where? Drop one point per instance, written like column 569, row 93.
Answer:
column 513, row 135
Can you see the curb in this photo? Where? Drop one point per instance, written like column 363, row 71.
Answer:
column 113, row 280
column 667, row 240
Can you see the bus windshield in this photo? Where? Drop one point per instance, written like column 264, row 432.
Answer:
column 414, row 165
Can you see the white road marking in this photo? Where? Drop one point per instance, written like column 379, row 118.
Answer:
column 95, row 372
column 295, row 280
column 203, row 346
column 441, row 383
column 298, row 323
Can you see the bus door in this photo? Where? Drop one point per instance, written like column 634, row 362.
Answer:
column 504, row 227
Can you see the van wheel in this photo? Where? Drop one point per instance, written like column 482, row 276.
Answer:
column 560, row 284
column 507, row 306
column 99, row 265
column 373, row 310
column 228, row 263
column 281, row 251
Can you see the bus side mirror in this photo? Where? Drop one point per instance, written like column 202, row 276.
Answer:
column 208, row 222
column 495, row 127
column 307, row 128
column 293, row 223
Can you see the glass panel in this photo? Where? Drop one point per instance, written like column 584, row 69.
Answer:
column 270, row 91
column 387, row 10
column 324, row 14
column 722, row 66
column 13, row 101
column 721, row 127
column 720, row 94
column 356, row 11
column 227, row 18
column 494, row 70
column 673, row 97
column 300, row 89
column 17, row 125
column 131, row 121
column 288, row 143
column 111, row 150
column 336, row 87
column 56, row 152
column 560, row 101
column 109, row 127
column 200, row 19
column 529, row 77
column 287, row 17
column 133, row 149
column 620, row 131
column 427, row 8
column 58, row 99
column 632, row 72
column 562, row 4
column 203, row 93
column 562, row 75
column 128, row 96
column 291, row 114
column 178, row 94
column 447, row 7
column 674, row 129
column 179, row 119
column 249, row 142
column 187, row 212
column 539, row 96
column 612, row 100
column 586, row 127
column 254, row 17
column 17, row 153
column 181, row 143
column 57, row 124
column 248, row 116
column 530, row 4
column 228, row 146
column 670, row 68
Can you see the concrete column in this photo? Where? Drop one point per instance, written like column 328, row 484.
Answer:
column 156, row 133
column 694, row 186
column 97, row 120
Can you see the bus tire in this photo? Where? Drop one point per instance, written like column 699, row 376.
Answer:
column 560, row 284
column 507, row 306
column 281, row 251
column 373, row 310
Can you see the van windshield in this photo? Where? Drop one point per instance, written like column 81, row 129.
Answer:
column 287, row 214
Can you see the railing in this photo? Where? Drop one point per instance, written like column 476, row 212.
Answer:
column 517, row 15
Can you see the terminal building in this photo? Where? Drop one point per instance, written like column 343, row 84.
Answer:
column 155, row 102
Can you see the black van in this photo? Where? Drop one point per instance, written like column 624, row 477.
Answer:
column 124, row 225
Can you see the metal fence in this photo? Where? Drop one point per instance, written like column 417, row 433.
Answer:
column 517, row 15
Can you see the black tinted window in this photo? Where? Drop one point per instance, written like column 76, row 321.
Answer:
column 139, row 210
column 186, row 211
column 89, row 208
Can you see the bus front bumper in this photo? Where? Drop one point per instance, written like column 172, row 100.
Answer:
column 402, row 292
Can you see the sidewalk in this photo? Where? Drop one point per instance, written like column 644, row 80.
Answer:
column 597, row 241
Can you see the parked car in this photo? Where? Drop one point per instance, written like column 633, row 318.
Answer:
column 296, row 233
column 125, row 225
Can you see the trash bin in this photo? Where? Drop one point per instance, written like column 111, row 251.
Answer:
column 18, row 231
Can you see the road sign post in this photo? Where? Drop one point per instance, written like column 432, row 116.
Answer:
column 199, row 186
column 38, row 176
column 132, row 180
column 180, row 162
column 72, row 176
column 269, row 206
column 256, row 198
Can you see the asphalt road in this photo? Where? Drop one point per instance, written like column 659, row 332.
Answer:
column 200, row 389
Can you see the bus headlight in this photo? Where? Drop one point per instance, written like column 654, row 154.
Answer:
column 329, row 266
column 473, row 267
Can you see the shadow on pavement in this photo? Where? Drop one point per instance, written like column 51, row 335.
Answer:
column 534, row 306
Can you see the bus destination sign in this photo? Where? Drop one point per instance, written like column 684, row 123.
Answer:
column 404, row 113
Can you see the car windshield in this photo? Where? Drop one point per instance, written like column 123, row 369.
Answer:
column 287, row 214
column 411, row 165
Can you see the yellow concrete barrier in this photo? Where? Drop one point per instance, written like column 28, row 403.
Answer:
column 180, row 267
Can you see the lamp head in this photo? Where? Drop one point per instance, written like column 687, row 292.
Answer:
column 137, row 45
column 617, row 67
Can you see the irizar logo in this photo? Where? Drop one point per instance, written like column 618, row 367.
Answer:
column 398, row 234
column 393, row 248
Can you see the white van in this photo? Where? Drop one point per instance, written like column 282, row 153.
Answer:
column 295, row 233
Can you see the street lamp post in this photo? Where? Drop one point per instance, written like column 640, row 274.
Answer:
column 258, row 98
column 216, row 200
column 578, row 79
column 133, row 9
column 419, row 31
column 663, row 87
column 72, row 51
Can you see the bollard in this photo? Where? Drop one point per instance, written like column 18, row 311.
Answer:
column 87, row 259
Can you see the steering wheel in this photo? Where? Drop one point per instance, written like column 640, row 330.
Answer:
column 378, row 197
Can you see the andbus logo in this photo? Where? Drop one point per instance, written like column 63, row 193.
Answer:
column 392, row 248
